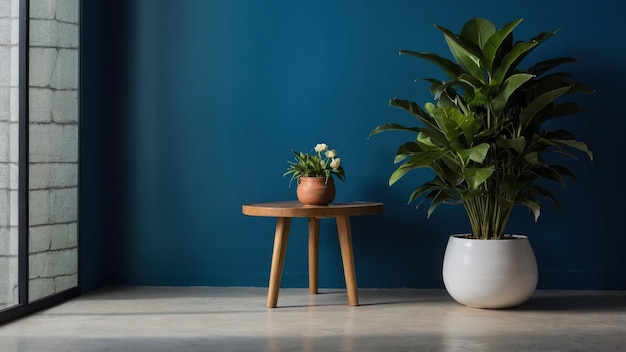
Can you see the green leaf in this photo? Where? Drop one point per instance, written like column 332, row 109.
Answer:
column 400, row 171
column 449, row 67
column 477, row 153
column 577, row 145
column 393, row 127
column 412, row 108
column 515, row 55
column 424, row 139
column 512, row 186
column 561, row 109
column 493, row 44
column 439, row 198
column 465, row 53
column 476, row 176
column 449, row 169
column 423, row 189
column 547, row 194
column 417, row 160
column 550, row 83
column 445, row 123
column 563, row 171
column 533, row 158
column 453, row 123
column 543, row 66
column 532, row 205
column 472, row 193
column 450, row 88
column 539, row 103
column 509, row 86
column 466, row 122
column 405, row 150
column 478, row 31
column 517, row 144
column 549, row 173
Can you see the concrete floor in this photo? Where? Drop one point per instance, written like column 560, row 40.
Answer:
column 235, row 319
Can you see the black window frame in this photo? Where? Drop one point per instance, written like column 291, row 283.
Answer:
column 24, row 307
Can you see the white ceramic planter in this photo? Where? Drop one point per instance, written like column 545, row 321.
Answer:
column 490, row 273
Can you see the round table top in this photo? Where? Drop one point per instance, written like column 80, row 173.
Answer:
column 295, row 209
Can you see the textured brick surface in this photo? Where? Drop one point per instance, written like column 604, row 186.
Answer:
column 67, row 11
column 63, row 205
column 9, row 73
column 53, row 147
column 5, row 70
column 65, row 75
column 53, row 175
column 65, row 106
column 42, row 63
column 51, row 264
column 5, row 104
column 43, row 9
column 39, row 288
column 8, row 241
column 44, row 33
column 53, row 143
column 5, row 135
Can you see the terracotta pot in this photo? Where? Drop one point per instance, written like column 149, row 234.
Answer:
column 315, row 190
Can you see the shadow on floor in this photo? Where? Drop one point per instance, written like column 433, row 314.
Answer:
column 576, row 301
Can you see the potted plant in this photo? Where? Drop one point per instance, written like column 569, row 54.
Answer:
column 313, row 173
column 486, row 139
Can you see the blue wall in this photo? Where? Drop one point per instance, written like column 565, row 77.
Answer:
column 191, row 110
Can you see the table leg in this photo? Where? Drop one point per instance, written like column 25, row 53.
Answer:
column 314, row 246
column 278, row 260
column 347, row 256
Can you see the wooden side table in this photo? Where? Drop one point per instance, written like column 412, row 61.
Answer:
column 285, row 211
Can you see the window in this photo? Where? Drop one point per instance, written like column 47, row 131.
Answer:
column 39, row 144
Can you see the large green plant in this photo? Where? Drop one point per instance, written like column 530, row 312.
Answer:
column 485, row 138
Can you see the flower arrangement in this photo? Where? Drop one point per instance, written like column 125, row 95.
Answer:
column 323, row 163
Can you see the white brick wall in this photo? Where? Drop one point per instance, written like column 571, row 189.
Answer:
column 65, row 106
column 39, row 105
column 5, row 213
column 5, row 104
column 8, row 241
column 52, row 237
column 67, row 11
column 68, row 35
column 53, row 175
column 48, row 265
column 5, row 70
column 64, row 282
column 53, row 144
column 44, row 33
column 65, row 75
column 53, row 147
column 42, row 62
column 5, row 135
column 45, row 9
column 8, row 288
column 64, row 205
column 47, row 105
column 39, row 288
column 9, row 74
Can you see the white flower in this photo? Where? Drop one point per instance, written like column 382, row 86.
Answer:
column 321, row 147
column 331, row 153
column 335, row 163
